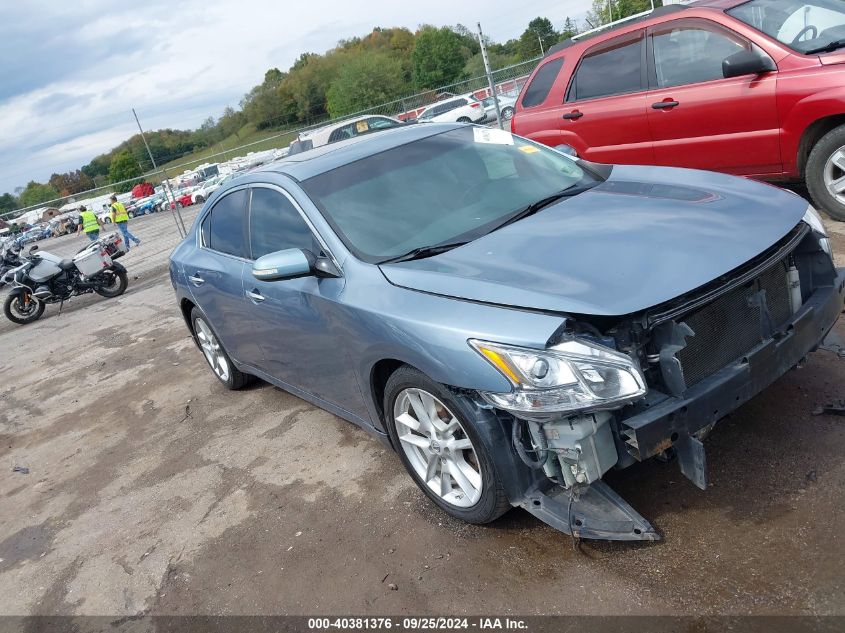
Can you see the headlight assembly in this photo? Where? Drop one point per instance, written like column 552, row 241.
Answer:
column 812, row 217
column 574, row 376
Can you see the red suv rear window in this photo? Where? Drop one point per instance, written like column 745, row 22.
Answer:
column 539, row 88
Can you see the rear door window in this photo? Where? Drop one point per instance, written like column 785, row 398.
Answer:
column 541, row 85
column 227, row 233
column 612, row 68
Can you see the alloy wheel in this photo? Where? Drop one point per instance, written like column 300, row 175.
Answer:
column 212, row 350
column 834, row 175
column 24, row 310
column 438, row 448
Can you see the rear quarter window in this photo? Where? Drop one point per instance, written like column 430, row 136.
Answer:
column 542, row 83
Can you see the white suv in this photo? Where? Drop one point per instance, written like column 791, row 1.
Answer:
column 466, row 109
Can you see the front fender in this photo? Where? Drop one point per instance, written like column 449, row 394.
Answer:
column 802, row 114
column 118, row 267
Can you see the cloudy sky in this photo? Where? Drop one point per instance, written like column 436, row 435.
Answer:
column 72, row 71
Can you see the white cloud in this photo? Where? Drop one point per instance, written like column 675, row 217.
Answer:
column 77, row 69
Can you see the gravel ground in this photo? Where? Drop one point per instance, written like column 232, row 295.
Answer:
column 151, row 489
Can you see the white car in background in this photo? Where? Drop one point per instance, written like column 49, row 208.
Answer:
column 466, row 109
column 343, row 130
column 208, row 187
column 506, row 106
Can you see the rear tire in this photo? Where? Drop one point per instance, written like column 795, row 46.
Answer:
column 464, row 119
column 507, row 113
column 471, row 490
column 825, row 173
column 215, row 355
column 199, row 200
column 119, row 283
column 14, row 309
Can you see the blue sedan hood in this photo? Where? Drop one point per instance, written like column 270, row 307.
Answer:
column 635, row 241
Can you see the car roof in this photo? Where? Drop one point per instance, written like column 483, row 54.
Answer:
column 659, row 12
column 327, row 157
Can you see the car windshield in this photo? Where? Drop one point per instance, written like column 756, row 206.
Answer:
column 807, row 27
column 428, row 114
column 451, row 187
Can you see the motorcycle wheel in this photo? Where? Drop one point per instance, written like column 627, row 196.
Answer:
column 117, row 283
column 17, row 312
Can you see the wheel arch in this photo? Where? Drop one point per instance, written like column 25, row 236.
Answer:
column 812, row 134
column 380, row 373
column 187, row 306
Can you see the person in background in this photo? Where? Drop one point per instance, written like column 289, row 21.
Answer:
column 89, row 223
column 120, row 217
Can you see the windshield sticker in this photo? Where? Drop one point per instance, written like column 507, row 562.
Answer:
column 528, row 149
column 362, row 126
column 488, row 135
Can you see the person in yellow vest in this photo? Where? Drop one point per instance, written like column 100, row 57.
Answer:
column 120, row 217
column 89, row 223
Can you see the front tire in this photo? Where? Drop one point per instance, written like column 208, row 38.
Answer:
column 118, row 281
column 825, row 173
column 433, row 431
column 17, row 312
column 464, row 119
column 199, row 200
column 221, row 365
column 507, row 113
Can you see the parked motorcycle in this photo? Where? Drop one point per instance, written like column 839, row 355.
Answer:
column 9, row 258
column 43, row 278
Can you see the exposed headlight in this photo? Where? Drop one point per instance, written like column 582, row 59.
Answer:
column 574, row 376
column 812, row 217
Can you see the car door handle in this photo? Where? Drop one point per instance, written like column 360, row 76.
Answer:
column 573, row 115
column 196, row 280
column 664, row 105
column 256, row 296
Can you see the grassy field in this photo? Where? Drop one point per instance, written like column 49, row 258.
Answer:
column 257, row 140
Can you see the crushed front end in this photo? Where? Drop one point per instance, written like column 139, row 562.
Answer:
column 656, row 383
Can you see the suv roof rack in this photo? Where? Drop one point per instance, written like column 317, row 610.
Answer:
column 611, row 26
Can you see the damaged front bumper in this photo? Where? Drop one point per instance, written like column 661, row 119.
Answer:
column 661, row 422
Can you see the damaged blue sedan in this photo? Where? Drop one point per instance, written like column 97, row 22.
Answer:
column 513, row 321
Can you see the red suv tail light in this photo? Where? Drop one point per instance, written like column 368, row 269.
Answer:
column 474, row 105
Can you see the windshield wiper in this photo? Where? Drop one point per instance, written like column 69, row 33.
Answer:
column 422, row 252
column 534, row 207
column 827, row 48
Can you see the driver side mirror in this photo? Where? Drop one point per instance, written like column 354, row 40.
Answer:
column 292, row 263
column 747, row 62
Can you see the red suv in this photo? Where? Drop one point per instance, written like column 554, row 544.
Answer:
column 749, row 88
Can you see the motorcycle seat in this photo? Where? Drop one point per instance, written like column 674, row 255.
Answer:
column 66, row 264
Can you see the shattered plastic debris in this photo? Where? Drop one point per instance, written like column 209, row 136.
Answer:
column 23, row 470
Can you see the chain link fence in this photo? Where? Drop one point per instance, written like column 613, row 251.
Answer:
column 507, row 81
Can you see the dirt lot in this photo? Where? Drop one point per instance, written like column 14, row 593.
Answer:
column 152, row 489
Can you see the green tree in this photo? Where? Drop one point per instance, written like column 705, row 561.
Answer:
column 539, row 30
column 36, row 193
column 231, row 122
column 475, row 64
column 570, row 28
column 8, row 202
column 368, row 79
column 438, row 58
column 99, row 166
column 124, row 166
column 605, row 11
column 261, row 105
